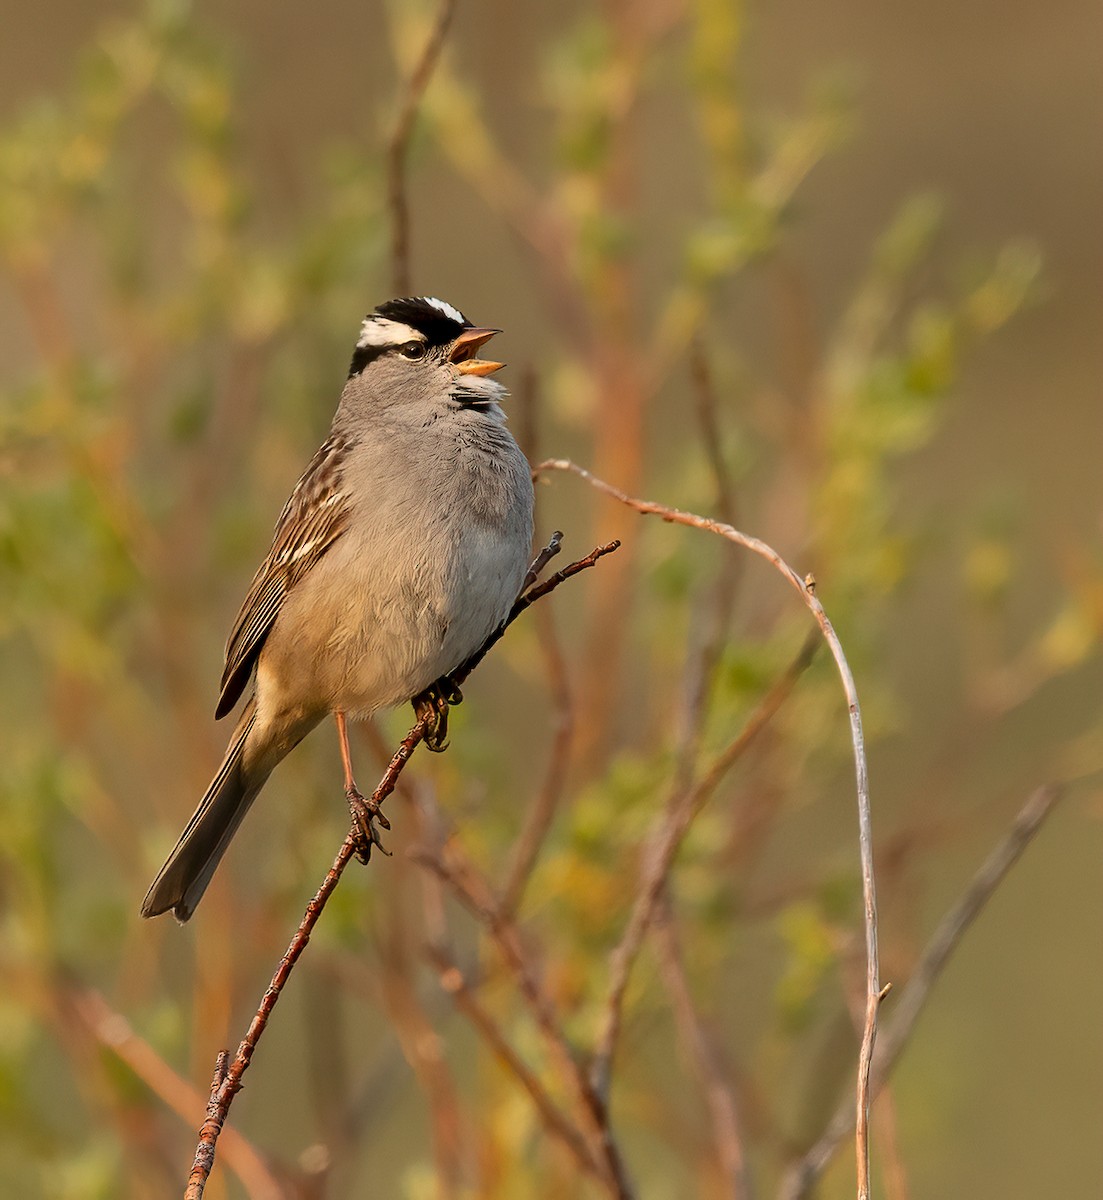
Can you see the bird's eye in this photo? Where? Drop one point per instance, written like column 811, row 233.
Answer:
column 412, row 350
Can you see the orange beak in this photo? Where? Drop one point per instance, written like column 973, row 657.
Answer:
column 466, row 347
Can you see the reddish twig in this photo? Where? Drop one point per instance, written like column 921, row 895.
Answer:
column 399, row 145
column 227, row 1085
column 915, row 993
column 806, row 589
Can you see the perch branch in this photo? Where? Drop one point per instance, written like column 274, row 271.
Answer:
column 227, row 1083
column 806, row 589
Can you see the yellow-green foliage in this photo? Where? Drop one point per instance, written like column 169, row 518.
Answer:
column 182, row 338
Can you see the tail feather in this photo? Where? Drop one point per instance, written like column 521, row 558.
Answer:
column 183, row 879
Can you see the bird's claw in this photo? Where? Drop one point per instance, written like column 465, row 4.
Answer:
column 365, row 813
column 432, row 708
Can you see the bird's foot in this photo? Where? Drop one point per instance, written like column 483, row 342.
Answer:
column 365, row 812
column 432, row 707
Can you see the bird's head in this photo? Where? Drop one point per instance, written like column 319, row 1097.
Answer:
column 420, row 352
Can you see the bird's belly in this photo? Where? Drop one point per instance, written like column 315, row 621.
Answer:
column 380, row 637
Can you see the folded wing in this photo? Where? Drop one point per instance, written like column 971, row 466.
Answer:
column 313, row 518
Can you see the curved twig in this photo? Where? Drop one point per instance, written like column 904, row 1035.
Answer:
column 806, row 588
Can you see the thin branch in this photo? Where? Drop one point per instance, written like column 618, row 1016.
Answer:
column 806, row 588
column 399, row 145
column 227, row 1085
column 916, row 992
column 536, row 568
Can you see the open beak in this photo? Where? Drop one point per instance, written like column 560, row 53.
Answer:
column 467, row 346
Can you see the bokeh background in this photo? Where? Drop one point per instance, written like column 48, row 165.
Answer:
column 832, row 271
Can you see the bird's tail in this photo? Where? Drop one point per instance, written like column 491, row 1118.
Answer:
column 183, row 879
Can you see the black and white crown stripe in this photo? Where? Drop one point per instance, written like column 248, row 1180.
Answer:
column 411, row 318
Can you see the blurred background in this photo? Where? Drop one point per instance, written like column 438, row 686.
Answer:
column 829, row 272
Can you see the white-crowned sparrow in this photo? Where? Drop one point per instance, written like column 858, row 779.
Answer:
column 400, row 551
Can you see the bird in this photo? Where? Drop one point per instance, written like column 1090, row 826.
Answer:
column 399, row 552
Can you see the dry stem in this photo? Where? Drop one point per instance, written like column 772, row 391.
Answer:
column 453, row 982
column 807, row 591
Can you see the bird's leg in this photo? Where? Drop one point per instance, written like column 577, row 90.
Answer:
column 365, row 811
column 432, row 707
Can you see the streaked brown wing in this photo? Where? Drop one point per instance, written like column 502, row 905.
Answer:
column 315, row 515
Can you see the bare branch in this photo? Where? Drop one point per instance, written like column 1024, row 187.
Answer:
column 226, row 1085
column 806, row 588
column 115, row 1034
